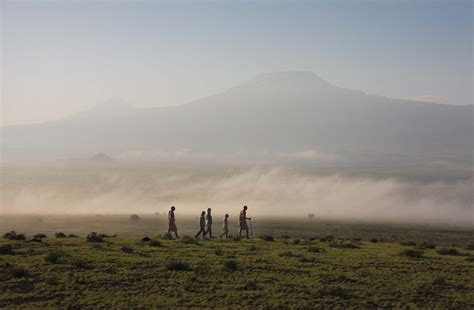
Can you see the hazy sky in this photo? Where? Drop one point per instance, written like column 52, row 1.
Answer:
column 61, row 57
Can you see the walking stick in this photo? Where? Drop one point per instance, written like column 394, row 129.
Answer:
column 251, row 228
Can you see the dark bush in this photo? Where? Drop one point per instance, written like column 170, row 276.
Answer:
column 177, row 265
column 40, row 236
column 146, row 239
column 73, row 236
column 439, row 281
column 374, row 240
column 250, row 286
column 54, row 257
column 230, row 265
column 316, row 249
column 296, row 241
column 412, row 253
column 252, row 248
column 154, row 243
column 267, row 238
column 427, row 245
column 470, row 247
column 470, row 258
column 81, row 263
column 236, row 238
column 449, row 251
column 94, row 237
column 334, row 291
column 344, row 244
column 286, row 254
column 408, row 243
column 6, row 249
column 285, row 236
column 167, row 236
column 51, row 281
column 60, row 235
column 12, row 235
column 20, row 272
column 37, row 240
column 127, row 249
column 326, row 238
column 189, row 240
column 305, row 259
column 218, row 251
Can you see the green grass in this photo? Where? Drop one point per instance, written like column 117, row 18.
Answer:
column 126, row 272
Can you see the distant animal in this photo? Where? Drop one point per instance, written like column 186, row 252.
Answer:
column 134, row 217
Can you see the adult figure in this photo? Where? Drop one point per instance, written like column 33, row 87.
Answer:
column 225, row 226
column 243, row 222
column 209, row 223
column 202, row 225
column 172, row 222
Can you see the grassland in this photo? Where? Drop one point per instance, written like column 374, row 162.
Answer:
column 307, row 265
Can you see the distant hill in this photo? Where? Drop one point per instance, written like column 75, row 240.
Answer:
column 275, row 112
column 102, row 158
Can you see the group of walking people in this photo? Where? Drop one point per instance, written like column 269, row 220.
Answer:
column 205, row 223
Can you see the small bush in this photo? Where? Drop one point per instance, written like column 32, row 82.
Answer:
column 296, row 241
column 267, row 238
column 374, row 240
column 94, row 237
column 412, row 253
column 154, row 243
column 189, row 240
column 305, row 259
column 12, row 235
column 6, row 249
column 250, row 286
column 81, row 263
column 236, row 238
column 470, row 247
column 408, row 243
column 146, row 239
column 344, row 245
column 73, row 236
column 60, row 235
column 54, row 257
column 470, row 258
column 286, row 254
column 334, row 291
column 37, row 240
column 316, row 249
column 168, row 236
column 252, row 248
column 218, row 252
column 439, row 281
column 20, row 272
column 230, row 265
column 51, row 281
column 177, row 265
column 285, row 236
column 127, row 249
column 449, row 251
column 427, row 245
column 40, row 236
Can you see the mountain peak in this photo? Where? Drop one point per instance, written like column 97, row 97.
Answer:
column 295, row 80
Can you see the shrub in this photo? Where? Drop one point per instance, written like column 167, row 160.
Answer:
column 6, row 249
column 81, row 263
column 470, row 258
column 236, row 238
column 94, row 237
column 60, row 235
column 285, row 236
column 334, row 291
column 286, row 254
column 267, row 238
column 439, row 281
column 154, row 243
column 146, row 239
column 12, row 235
column 189, row 240
column 73, row 236
column 177, row 265
column 326, row 238
column 305, row 259
column 449, row 251
column 168, row 236
column 252, row 248
column 54, row 257
column 316, row 249
column 51, row 281
column 374, row 240
column 408, row 243
column 37, row 240
column 218, row 252
column 427, row 245
column 470, row 247
column 40, row 236
column 296, row 241
column 20, row 272
column 250, row 286
column 412, row 253
column 127, row 249
column 230, row 265
column 344, row 245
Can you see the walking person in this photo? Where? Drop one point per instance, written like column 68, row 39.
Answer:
column 202, row 225
column 225, row 226
column 243, row 222
column 172, row 222
column 209, row 223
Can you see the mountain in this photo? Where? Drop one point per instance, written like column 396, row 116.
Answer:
column 275, row 112
column 101, row 158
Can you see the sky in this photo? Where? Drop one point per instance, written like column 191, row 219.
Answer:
column 59, row 58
